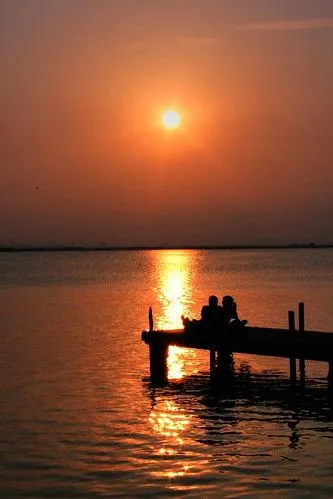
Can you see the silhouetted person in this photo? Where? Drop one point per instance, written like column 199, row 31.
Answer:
column 229, row 311
column 211, row 309
column 211, row 316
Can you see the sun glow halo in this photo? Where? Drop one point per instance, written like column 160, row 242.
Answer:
column 171, row 119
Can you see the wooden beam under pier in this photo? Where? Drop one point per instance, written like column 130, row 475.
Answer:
column 309, row 345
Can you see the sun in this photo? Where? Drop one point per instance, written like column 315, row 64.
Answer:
column 171, row 119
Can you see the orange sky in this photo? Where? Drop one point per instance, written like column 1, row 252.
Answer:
column 84, row 158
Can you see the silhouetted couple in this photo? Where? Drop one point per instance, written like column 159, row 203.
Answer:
column 215, row 317
column 224, row 314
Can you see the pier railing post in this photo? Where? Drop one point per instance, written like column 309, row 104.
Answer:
column 150, row 319
column 292, row 360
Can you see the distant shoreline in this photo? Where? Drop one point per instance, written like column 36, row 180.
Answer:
column 8, row 249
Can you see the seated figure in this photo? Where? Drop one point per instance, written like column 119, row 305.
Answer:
column 211, row 316
column 210, row 320
column 229, row 312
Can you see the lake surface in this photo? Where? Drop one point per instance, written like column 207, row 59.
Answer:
column 78, row 416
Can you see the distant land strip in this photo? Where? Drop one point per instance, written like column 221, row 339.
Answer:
column 17, row 248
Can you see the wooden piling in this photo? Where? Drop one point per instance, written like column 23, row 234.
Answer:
column 225, row 363
column 158, row 360
column 292, row 358
column 212, row 361
column 330, row 373
column 301, row 327
column 158, row 355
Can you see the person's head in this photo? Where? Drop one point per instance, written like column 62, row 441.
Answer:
column 213, row 301
column 227, row 301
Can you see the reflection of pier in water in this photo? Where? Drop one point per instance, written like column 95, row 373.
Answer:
column 223, row 414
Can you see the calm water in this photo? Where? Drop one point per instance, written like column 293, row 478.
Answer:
column 78, row 417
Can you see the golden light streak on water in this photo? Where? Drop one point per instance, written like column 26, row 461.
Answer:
column 175, row 271
column 170, row 422
column 174, row 287
column 180, row 362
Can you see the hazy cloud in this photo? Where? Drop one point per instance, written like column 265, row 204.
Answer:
column 288, row 24
column 198, row 41
column 180, row 41
column 138, row 46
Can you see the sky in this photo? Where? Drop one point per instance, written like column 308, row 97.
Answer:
column 85, row 158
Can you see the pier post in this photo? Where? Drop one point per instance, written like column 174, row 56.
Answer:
column 301, row 327
column 212, row 361
column 225, row 363
column 292, row 360
column 150, row 319
column 330, row 373
column 158, row 360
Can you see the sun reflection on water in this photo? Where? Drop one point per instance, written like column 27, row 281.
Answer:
column 178, row 360
column 176, row 271
column 174, row 287
column 170, row 422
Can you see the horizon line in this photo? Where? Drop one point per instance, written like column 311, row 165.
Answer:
column 31, row 248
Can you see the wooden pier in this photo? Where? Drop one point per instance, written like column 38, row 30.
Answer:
column 289, row 343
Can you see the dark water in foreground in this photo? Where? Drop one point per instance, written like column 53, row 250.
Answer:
column 78, row 417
